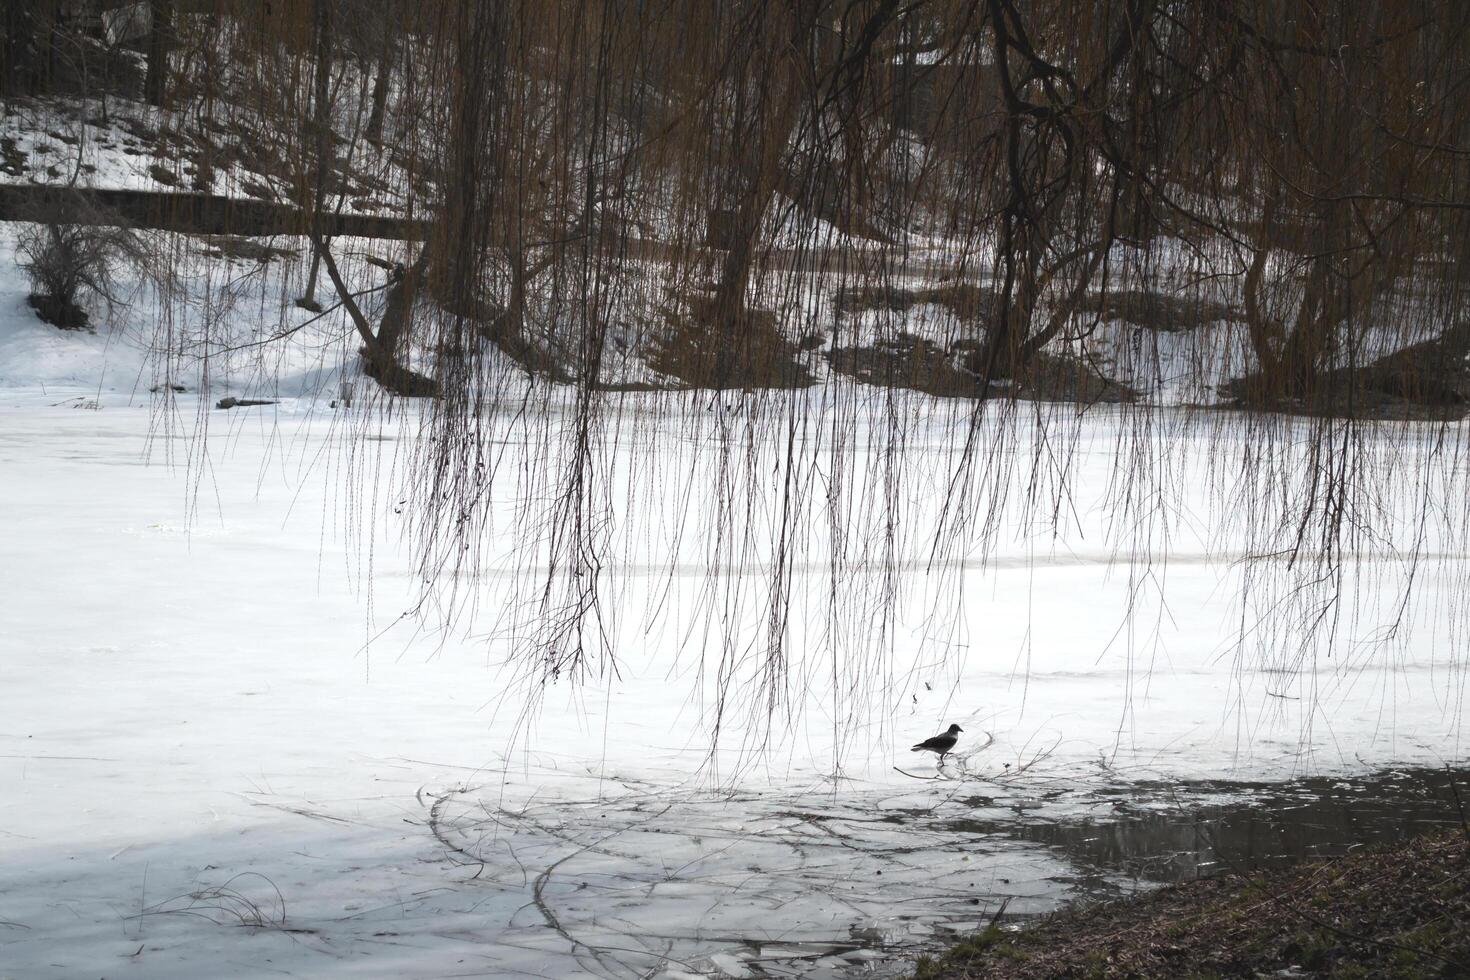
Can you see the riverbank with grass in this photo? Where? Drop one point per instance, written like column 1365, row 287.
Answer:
column 1392, row 911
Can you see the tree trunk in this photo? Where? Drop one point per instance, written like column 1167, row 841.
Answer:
column 321, row 121
column 380, row 94
column 380, row 349
column 759, row 167
column 16, row 68
column 474, row 168
column 160, row 32
column 398, row 308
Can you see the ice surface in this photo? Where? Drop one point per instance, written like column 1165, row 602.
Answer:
column 219, row 759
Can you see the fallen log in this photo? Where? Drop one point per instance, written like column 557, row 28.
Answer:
column 192, row 213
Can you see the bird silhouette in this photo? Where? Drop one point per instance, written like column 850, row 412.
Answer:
column 943, row 743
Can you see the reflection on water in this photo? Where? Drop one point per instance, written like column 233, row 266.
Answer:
column 1170, row 835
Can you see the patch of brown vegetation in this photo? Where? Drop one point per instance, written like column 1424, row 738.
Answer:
column 706, row 350
column 1396, row 912
column 1154, row 310
column 906, row 362
column 59, row 312
column 1062, row 378
column 966, row 300
column 1424, row 381
column 915, row 363
column 234, row 247
column 257, row 190
column 12, row 157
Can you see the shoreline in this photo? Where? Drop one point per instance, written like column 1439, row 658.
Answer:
column 1397, row 910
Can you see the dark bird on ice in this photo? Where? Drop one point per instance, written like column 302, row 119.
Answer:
column 943, row 743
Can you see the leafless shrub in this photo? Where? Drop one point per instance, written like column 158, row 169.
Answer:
column 70, row 259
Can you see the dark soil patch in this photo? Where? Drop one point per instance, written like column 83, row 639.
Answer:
column 59, row 312
column 257, row 190
column 915, row 363
column 398, row 379
column 952, row 371
column 12, row 157
column 906, row 363
column 705, row 350
column 137, row 129
column 233, row 247
column 1265, row 827
column 1397, row 912
column 1157, row 311
column 967, row 301
column 1060, row 378
column 1425, row 381
column 629, row 386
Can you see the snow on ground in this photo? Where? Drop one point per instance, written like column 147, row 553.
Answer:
column 229, row 326
column 226, row 752
column 209, row 146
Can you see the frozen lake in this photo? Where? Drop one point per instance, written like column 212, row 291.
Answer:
column 225, row 750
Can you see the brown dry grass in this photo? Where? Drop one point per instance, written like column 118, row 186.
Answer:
column 705, row 350
column 1391, row 912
